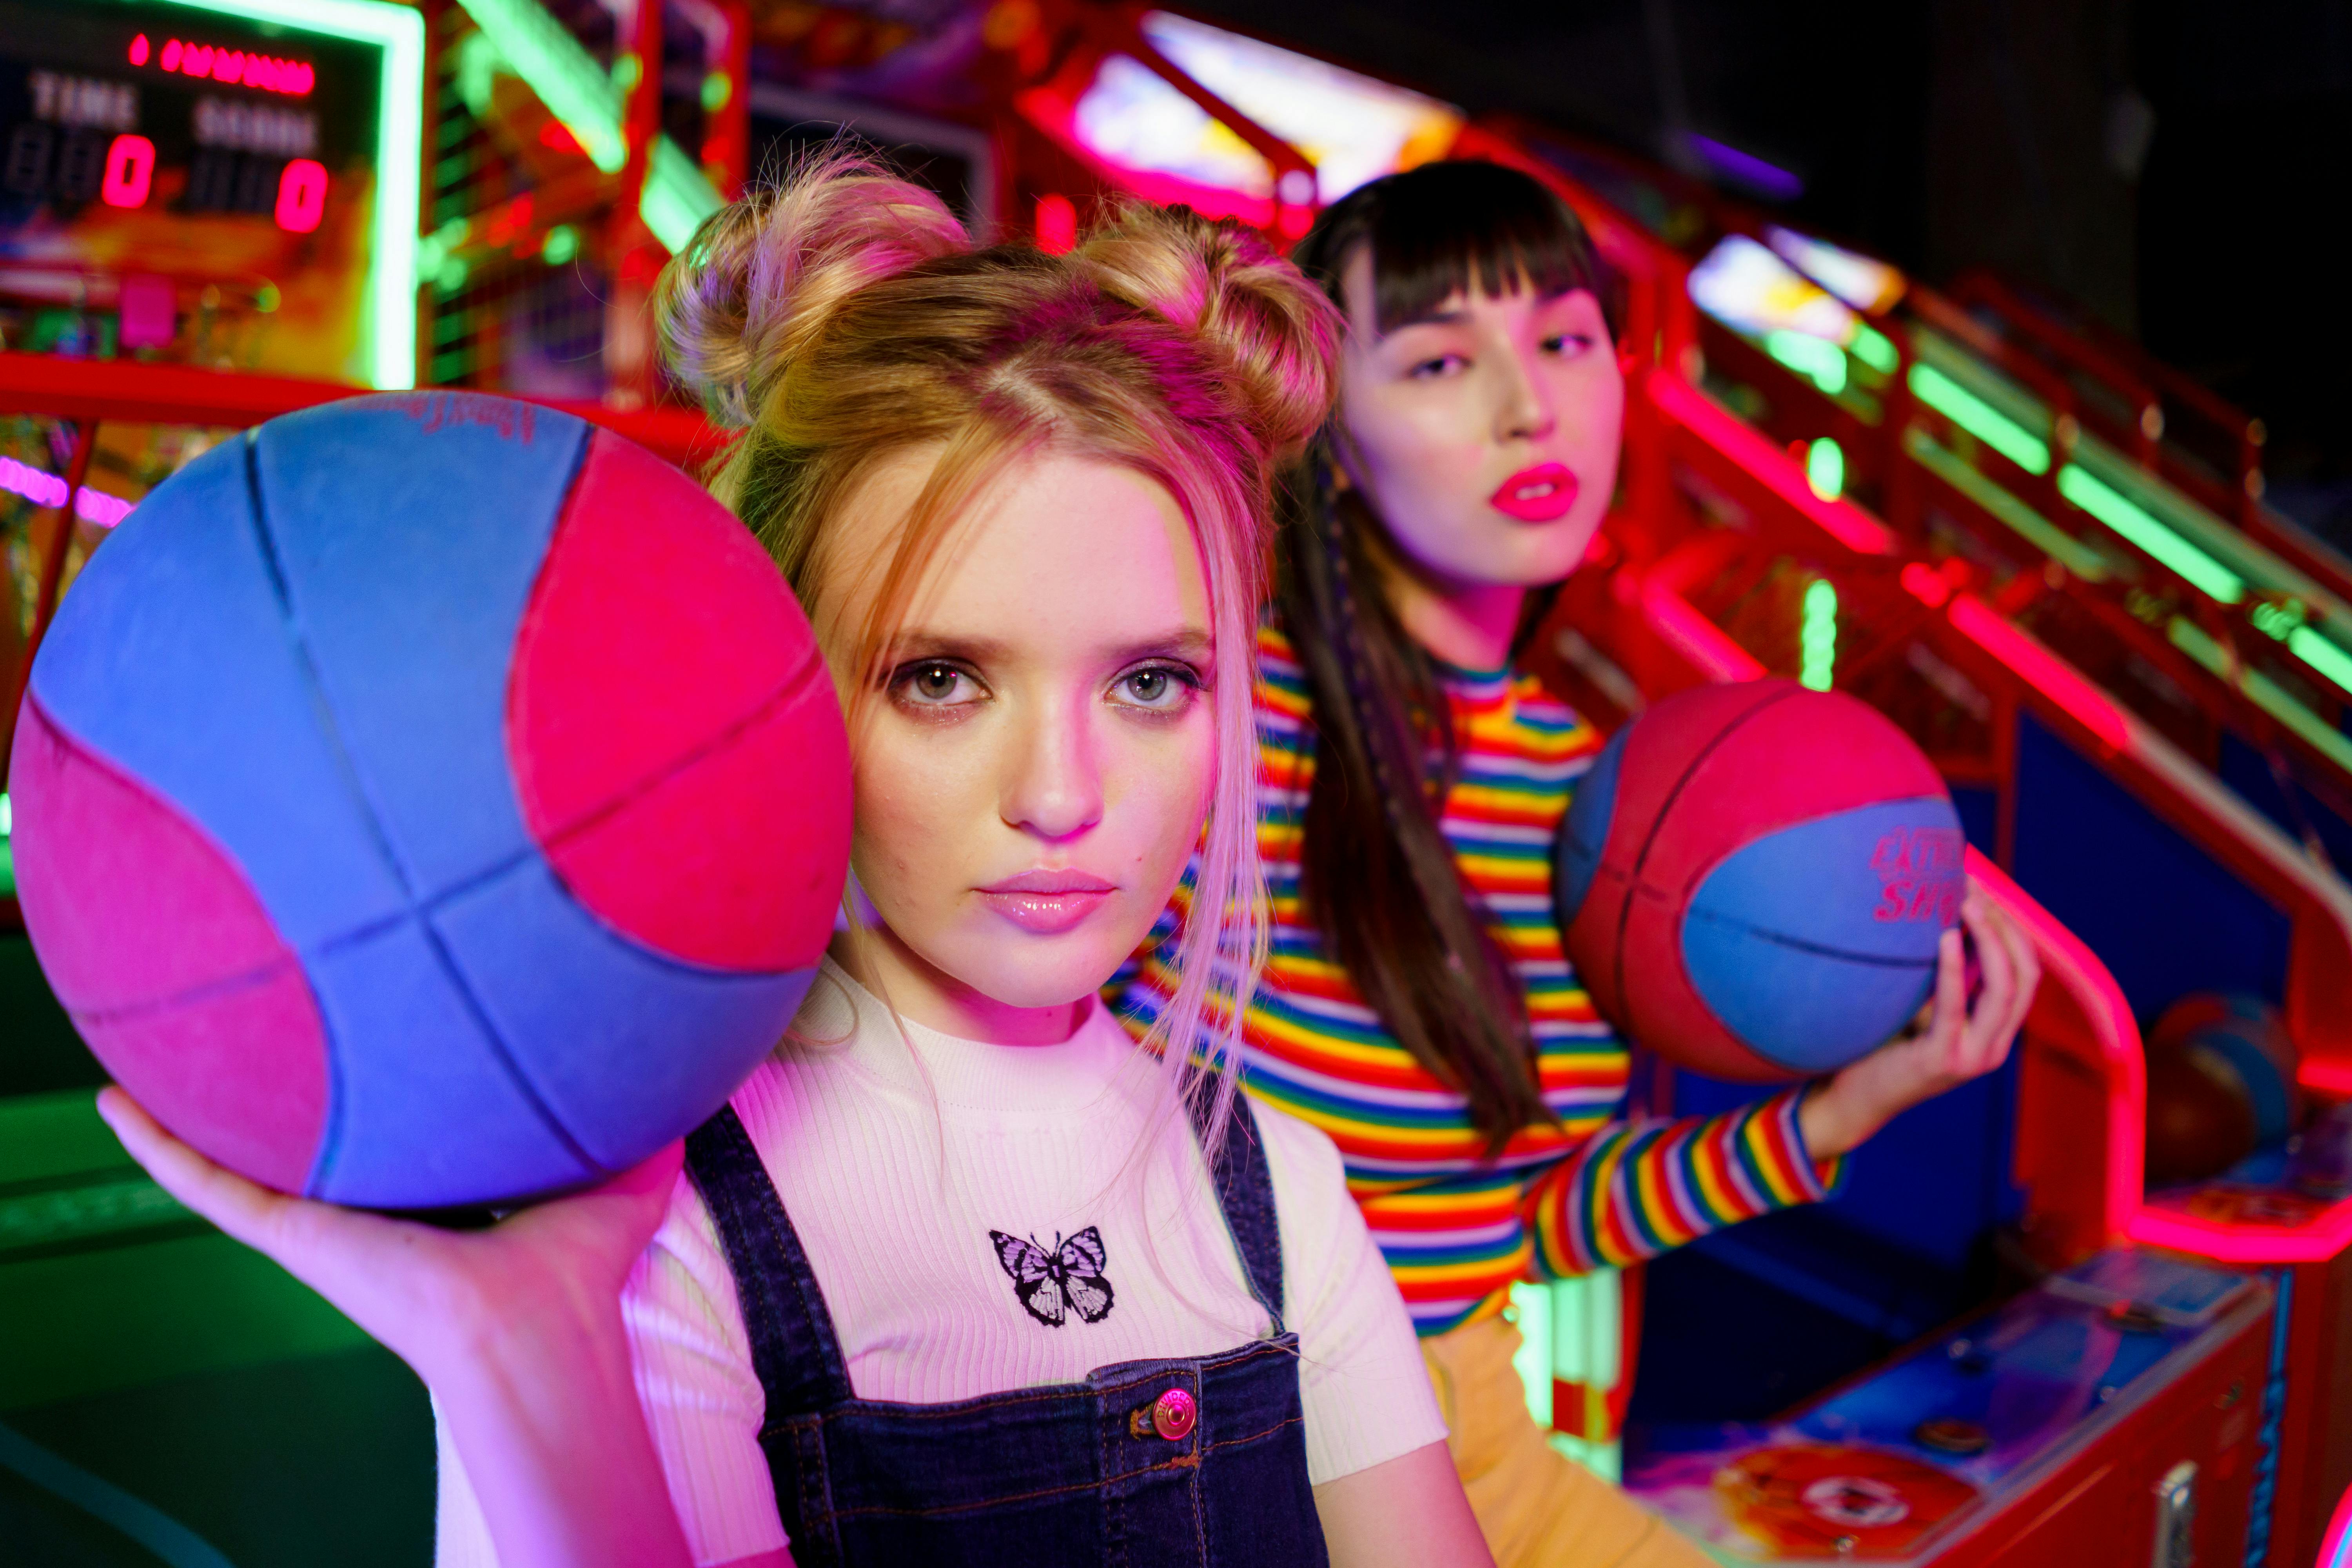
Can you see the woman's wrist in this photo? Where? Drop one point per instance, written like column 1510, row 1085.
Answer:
column 544, row 1415
column 1828, row 1123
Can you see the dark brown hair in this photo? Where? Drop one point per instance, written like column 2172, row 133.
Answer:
column 1376, row 874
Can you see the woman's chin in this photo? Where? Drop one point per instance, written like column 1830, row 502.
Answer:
column 1029, row 970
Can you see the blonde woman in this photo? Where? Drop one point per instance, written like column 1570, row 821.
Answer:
column 961, row 1274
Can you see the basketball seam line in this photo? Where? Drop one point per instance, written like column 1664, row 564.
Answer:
column 330, row 1143
column 1824, row 950
column 368, row 931
column 794, row 685
column 1648, row 841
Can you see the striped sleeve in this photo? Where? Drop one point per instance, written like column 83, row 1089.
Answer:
column 1636, row 1189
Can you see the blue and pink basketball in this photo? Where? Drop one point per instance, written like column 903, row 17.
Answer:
column 430, row 800
column 1754, row 877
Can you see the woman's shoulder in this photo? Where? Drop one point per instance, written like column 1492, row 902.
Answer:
column 1306, row 1164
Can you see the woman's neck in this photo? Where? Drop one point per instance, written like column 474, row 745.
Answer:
column 1468, row 624
column 924, row 993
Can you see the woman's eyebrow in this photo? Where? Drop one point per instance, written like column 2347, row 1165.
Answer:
column 1434, row 317
column 1188, row 644
column 914, row 642
column 1182, row 642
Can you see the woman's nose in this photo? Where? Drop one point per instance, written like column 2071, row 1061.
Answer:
column 1052, row 784
column 1524, row 410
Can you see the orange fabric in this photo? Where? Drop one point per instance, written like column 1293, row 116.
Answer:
column 1538, row 1508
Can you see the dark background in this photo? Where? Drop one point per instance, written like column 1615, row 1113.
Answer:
column 2177, row 169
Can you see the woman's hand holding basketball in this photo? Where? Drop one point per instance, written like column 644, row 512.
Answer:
column 516, row 1329
column 1950, row 1043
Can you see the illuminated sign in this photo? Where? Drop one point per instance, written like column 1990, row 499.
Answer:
column 236, row 68
column 256, row 161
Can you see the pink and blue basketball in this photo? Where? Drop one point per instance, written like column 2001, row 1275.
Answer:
column 1754, row 877
column 2242, row 1043
column 430, row 800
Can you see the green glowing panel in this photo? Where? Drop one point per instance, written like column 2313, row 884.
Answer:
column 2322, row 656
column 1817, row 641
column 1531, row 1311
column 1873, row 349
column 2109, row 507
column 1817, row 358
column 1979, row 418
column 1825, row 469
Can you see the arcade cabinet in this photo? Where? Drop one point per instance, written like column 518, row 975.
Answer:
column 208, row 217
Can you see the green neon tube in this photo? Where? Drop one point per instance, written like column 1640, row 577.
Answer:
column 677, row 196
column 2109, row 507
column 1874, row 348
column 1817, row 640
column 2322, row 656
column 1979, row 418
column 565, row 76
column 1825, row 469
column 2078, row 557
column 2267, row 694
column 399, row 32
column 1817, row 358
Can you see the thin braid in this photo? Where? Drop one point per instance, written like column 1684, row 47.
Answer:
column 1377, row 733
column 1355, row 663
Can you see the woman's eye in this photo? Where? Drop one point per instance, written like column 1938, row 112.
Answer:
column 1156, row 686
column 935, row 685
column 1444, row 365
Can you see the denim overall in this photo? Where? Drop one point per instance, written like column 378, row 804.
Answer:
column 1192, row 1461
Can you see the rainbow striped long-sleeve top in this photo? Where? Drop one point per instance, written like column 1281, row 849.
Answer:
column 1595, row 1186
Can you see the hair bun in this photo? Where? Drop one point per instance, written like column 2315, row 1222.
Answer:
column 1273, row 330
column 753, row 287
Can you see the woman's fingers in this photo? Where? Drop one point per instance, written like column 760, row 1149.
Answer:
column 243, row 1209
column 363, row 1263
column 1951, row 996
column 1987, row 1019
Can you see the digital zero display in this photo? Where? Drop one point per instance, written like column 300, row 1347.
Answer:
column 248, row 157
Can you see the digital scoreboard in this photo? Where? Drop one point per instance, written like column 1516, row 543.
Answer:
column 225, row 182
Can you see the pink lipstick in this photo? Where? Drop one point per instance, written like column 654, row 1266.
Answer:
column 1047, row 902
column 1540, row 494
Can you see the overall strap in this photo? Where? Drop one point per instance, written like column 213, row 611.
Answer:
column 793, row 1348
column 1246, row 1192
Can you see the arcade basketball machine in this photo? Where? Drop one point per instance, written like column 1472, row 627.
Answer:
column 209, row 215
column 1724, row 536
column 2116, row 588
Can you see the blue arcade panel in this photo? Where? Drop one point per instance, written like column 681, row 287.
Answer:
column 2165, row 917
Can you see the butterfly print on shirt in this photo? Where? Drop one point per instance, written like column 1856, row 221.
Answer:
column 1052, row 1285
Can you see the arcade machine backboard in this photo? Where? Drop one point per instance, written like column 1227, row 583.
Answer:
column 231, row 184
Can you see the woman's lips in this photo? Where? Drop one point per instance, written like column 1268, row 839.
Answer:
column 1047, row 902
column 1540, row 494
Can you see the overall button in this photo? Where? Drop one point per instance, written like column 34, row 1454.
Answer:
column 1174, row 1414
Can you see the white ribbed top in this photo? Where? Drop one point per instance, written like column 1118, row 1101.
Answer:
column 896, row 1164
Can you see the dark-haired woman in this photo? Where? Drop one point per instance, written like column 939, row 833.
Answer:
column 1417, row 1005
